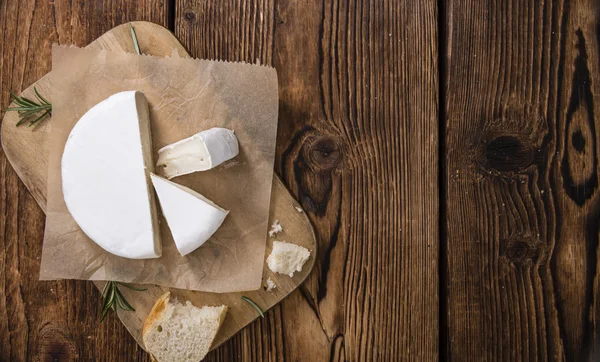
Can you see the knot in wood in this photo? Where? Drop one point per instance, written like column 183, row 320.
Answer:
column 518, row 251
column 190, row 16
column 56, row 345
column 323, row 153
column 507, row 154
column 521, row 250
column 578, row 141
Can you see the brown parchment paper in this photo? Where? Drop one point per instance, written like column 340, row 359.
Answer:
column 185, row 96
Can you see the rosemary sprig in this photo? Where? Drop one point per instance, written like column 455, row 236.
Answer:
column 113, row 298
column 29, row 110
column 254, row 305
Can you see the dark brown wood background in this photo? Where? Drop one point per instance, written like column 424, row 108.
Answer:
column 522, row 114
column 445, row 151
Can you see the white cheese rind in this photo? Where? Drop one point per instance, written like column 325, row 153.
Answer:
column 286, row 258
column 105, row 167
column 199, row 152
column 192, row 218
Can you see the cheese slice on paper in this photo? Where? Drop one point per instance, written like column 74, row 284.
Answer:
column 192, row 218
column 199, row 152
column 105, row 177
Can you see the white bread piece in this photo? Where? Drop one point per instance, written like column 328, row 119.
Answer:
column 105, row 170
column 276, row 228
column 199, row 152
column 270, row 285
column 174, row 332
column 286, row 258
column 192, row 218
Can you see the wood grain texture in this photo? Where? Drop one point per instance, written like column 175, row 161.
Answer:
column 357, row 145
column 50, row 321
column 522, row 200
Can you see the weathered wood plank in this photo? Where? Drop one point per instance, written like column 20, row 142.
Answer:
column 51, row 320
column 357, row 145
column 521, row 180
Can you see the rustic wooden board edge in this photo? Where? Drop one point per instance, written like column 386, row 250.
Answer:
column 133, row 321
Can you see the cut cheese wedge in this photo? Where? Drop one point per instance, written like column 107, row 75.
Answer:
column 192, row 218
column 199, row 152
column 105, row 177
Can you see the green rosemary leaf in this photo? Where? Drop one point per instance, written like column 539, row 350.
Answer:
column 254, row 305
column 25, row 119
column 42, row 99
column 122, row 301
column 29, row 101
column 104, row 289
column 104, row 313
column 122, row 305
column 35, row 121
column 18, row 100
column 135, row 41
column 132, row 288
column 110, row 297
column 28, row 116
column 22, row 109
column 25, row 114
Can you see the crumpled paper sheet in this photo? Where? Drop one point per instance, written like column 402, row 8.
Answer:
column 185, row 96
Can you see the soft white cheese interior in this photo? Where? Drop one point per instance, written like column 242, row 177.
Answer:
column 192, row 218
column 105, row 177
column 199, row 152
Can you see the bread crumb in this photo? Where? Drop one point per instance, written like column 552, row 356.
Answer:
column 275, row 229
column 270, row 285
column 299, row 209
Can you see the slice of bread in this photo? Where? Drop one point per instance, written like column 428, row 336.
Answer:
column 174, row 332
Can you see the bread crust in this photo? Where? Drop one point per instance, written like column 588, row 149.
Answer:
column 222, row 317
column 156, row 314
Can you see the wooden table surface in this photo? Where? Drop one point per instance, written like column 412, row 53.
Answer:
column 445, row 151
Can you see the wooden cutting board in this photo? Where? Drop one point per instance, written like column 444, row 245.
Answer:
column 26, row 149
